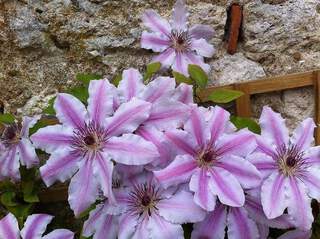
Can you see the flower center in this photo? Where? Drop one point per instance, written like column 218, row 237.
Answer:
column 180, row 40
column 89, row 139
column 207, row 157
column 290, row 160
column 11, row 135
column 143, row 199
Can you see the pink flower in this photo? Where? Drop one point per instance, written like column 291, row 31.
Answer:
column 34, row 227
column 247, row 222
column 179, row 46
column 145, row 211
column 16, row 147
column 84, row 146
column 290, row 167
column 211, row 160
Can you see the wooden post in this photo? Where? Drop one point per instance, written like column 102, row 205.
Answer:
column 243, row 103
column 235, row 27
column 317, row 105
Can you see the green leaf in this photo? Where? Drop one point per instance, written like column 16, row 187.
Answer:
column 29, row 192
column 43, row 122
column 152, row 68
column 87, row 211
column 180, row 78
column 80, row 92
column 116, row 80
column 85, row 78
column 241, row 122
column 8, row 199
column 50, row 110
column 198, row 75
column 7, row 118
column 224, row 95
column 21, row 211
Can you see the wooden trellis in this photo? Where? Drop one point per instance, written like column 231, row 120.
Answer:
column 278, row 83
column 243, row 108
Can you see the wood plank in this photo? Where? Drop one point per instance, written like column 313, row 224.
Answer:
column 317, row 106
column 243, row 103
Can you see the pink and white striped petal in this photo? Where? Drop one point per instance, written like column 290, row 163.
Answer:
column 166, row 58
column 131, row 149
column 312, row 156
column 131, row 84
column 299, row 204
column 127, row 226
column 240, row 226
column 70, row 111
column 226, row 187
column 179, row 16
column 303, row 135
column 9, row 163
column 160, row 88
column 83, row 188
column 184, row 94
column 159, row 228
column 195, row 59
column 240, row 143
column 59, row 234
column 9, row 227
column 154, row 41
column 35, row 226
column 103, row 168
column 107, row 227
column 182, row 141
column 179, row 171
column 181, row 63
column 199, row 184
column 128, row 117
column 265, row 146
column 180, row 209
column 167, row 114
column 274, row 189
column 100, row 101
column 60, row 166
column 155, row 23
column 202, row 47
column 27, row 153
column 202, row 31
column 273, row 127
column 52, row 137
column 197, row 127
column 247, row 174
column 218, row 123
column 264, row 163
column 311, row 179
column 95, row 219
column 27, row 123
column 213, row 226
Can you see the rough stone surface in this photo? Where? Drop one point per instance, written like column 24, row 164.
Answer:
column 44, row 43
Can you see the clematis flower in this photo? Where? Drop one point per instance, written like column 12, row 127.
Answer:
column 179, row 45
column 34, row 227
column 247, row 222
column 211, row 160
column 290, row 167
column 145, row 211
column 88, row 141
column 16, row 147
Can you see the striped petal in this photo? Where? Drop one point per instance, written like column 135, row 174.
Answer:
column 166, row 58
column 95, row 217
column 179, row 16
column 156, row 23
column 311, row 179
column 100, row 101
column 181, row 63
column 183, row 141
column 162, row 229
column 218, row 123
column 202, row 47
column 9, row 227
column 131, row 149
column 128, row 117
column 184, row 94
column 127, row 226
column 274, row 189
column 226, row 187
column 35, row 226
column 52, row 137
column 240, row 226
column 264, row 163
column 192, row 58
column 9, row 163
column 179, row 171
column 107, row 227
column 160, row 88
column 213, row 226
column 299, row 205
column 199, row 184
column 27, row 153
column 303, row 135
column 131, row 84
column 273, row 127
column 60, row 166
column 59, row 234
column 70, row 111
column 83, row 188
column 27, row 123
column 180, row 209
column 202, row 31
column 154, row 41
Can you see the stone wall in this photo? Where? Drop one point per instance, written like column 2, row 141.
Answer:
column 44, row 43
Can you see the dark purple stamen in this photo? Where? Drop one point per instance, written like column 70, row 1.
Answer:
column 180, row 40
column 11, row 135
